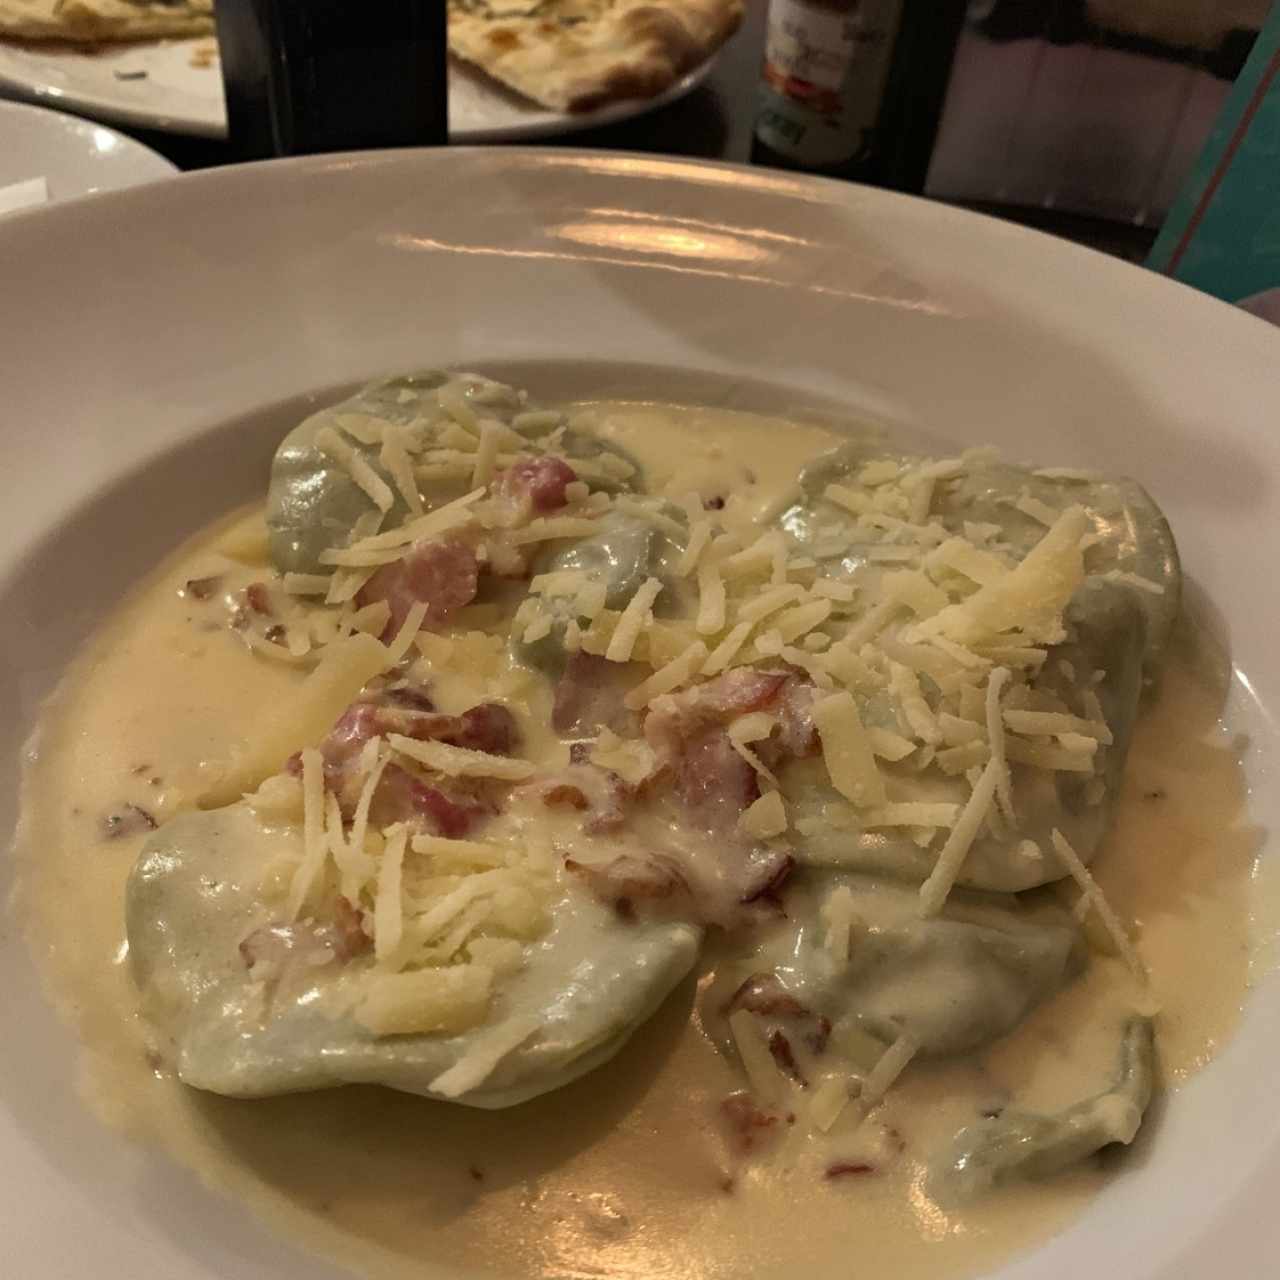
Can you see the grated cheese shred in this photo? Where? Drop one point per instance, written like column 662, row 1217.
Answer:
column 633, row 620
column 1092, row 892
column 934, row 891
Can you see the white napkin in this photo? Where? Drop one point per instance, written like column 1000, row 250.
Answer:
column 22, row 195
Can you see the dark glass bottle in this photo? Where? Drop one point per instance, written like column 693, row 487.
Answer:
column 855, row 88
column 306, row 76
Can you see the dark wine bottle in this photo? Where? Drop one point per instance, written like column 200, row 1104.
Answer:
column 855, row 88
column 307, row 76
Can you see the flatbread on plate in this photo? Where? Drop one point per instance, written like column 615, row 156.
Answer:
column 577, row 55
column 103, row 20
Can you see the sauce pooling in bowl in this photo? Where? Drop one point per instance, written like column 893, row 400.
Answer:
column 681, row 1150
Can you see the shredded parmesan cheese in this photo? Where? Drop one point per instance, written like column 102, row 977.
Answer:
column 767, row 1082
column 905, row 685
column 1051, row 723
column 409, row 629
column 550, row 527
column 677, row 672
column 847, row 751
column 314, row 846
column 882, row 1077
column 828, row 1103
column 426, row 1000
column 728, row 648
column 388, row 910
column 482, row 1059
column 1029, row 597
column 996, row 742
column 301, row 715
column 934, row 891
column 914, row 814
column 765, row 817
column 461, row 762
column 632, row 622
column 699, row 540
column 399, row 466
column 357, row 466
column 837, row 910
column 486, row 454
column 711, row 600
column 1092, row 891
column 306, row 584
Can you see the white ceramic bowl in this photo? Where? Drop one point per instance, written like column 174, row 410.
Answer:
column 156, row 341
column 75, row 157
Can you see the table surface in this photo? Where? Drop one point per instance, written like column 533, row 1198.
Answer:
column 715, row 121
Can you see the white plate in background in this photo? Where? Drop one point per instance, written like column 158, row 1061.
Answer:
column 157, row 84
column 179, row 324
column 75, row 157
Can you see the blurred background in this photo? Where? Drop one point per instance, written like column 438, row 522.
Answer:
column 1083, row 117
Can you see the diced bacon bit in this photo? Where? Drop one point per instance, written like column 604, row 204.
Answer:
column 202, row 588
column 675, row 718
column 488, row 726
column 714, row 782
column 764, row 995
column 128, row 820
column 600, row 793
column 272, row 948
column 401, row 797
column 258, row 598
column 749, row 1126
column 409, row 696
column 406, row 709
column 797, row 735
column 784, row 1056
column 442, row 574
column 542, row 479
column 630, row 879
column 848, row 1169
column 769, row 887
column 588, row 696
column 348, row 924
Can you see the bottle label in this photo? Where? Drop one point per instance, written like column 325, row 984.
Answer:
column 824, row 75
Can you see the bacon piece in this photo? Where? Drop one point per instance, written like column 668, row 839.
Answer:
column 401, row 797
column 542, row 479
column 781, row 1051
column 781, row 1010
column 405, row 709
column 411, row 697
column 202, row 588
column 848, row 1169
column 714, row 782
column 444, row 575
column 129, row 820
column 797, row 735
column 749, row 1126
column 764, row 993
column 630, row 878
column 258, row 598
column 768, row 887
column 601, row 793
column 488, row 726
column 676, row 718
column 348, row 926
column 589, row 694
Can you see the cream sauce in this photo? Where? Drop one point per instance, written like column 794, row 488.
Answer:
column 624, row 1172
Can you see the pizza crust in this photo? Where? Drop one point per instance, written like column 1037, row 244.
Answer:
column 577, row 55
column 104, row 20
